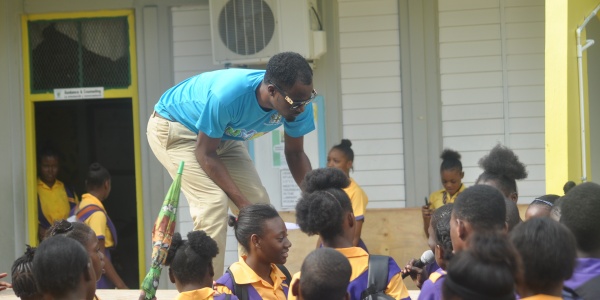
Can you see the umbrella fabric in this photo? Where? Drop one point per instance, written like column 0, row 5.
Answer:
column 162, row 234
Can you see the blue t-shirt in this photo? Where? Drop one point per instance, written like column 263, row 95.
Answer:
column 223, row 104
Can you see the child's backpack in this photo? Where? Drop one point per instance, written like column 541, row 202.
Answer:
column 377, row 279
column 241, row 290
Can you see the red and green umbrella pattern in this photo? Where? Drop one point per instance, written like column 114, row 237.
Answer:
column 162, row 234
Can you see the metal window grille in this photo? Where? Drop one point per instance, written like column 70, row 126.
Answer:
column 79, row 53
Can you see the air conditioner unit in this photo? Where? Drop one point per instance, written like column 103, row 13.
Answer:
column 252, row 31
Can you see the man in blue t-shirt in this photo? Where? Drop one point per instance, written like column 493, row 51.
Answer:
column 204, row 121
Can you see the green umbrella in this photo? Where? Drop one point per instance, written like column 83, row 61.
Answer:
column 162, row 234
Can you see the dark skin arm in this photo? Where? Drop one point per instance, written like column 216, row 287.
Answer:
column 109, row 269
column 296, row 158
column 206, row 155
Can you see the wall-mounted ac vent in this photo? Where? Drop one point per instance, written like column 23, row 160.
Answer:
column 251, row 31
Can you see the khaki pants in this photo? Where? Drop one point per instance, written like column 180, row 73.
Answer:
column 172, row 143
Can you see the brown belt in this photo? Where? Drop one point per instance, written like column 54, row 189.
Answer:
column 157, row 115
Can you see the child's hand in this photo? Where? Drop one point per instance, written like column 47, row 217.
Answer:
column 4, row 285
column 426, row 211
column 414, row 272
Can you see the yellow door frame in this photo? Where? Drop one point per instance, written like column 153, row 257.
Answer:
column 30, row 99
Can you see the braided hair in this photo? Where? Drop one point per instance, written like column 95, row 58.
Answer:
column 23, row 281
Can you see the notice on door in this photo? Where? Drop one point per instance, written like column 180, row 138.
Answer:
column 79, row 93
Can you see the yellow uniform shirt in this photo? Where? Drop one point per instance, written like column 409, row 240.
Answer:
column 201, row 294
column 97, row 220
column 359, row 261
column 436, row 199
column 54, row 203
column 258, row 289
column 542, row 297
column 358, row 198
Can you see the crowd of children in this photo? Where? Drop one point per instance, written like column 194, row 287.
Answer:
column 482, row 248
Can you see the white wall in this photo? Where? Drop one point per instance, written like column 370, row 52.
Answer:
column 13, row 216
column 371, row 103
column 492, row 83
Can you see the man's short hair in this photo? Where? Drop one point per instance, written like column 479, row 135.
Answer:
column 580, row 211
column 285, row 68
column 482, row 206
column 325, row 274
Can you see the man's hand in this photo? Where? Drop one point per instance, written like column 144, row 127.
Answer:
column 4, row 285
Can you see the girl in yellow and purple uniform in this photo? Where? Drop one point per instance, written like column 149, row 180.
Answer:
column 441, row 244
column 55, row 201
column 325, row 209
column 92, row 212
column 342, row 157
column 451, row 174
column 191, row 268
column 86, row 237
column 262, row 233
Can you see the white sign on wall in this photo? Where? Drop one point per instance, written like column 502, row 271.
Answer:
column 290, row 192
column 79, row 93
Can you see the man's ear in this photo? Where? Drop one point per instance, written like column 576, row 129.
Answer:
column 296, row 288
column 462, row 175
column 171, row 276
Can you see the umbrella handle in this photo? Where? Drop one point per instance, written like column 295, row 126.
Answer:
column 180, row 170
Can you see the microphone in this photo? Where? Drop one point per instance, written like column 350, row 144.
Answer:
column 426, row 258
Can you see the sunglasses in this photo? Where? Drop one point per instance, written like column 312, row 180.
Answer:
column 295, row 104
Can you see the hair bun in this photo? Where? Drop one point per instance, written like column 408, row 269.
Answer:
column 449, row 154
column 232, row 221
column 568, row 186
column 323, row 179
column 95, row 167
column 346, row 143
column 29, row 252
column 202, row 244
column 503, row 161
